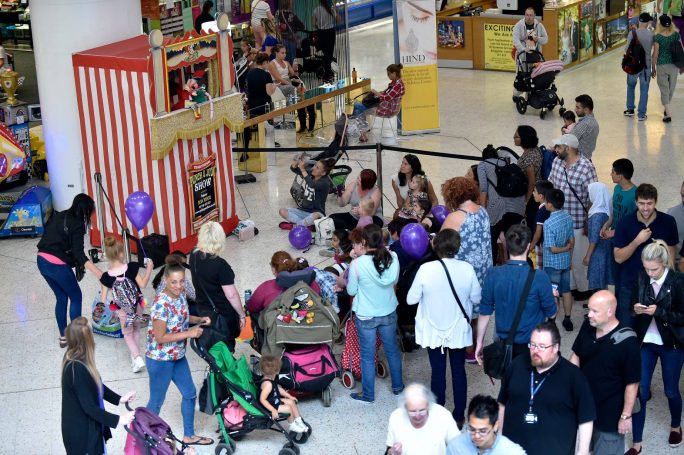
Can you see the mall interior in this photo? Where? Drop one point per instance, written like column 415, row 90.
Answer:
column 91, row 104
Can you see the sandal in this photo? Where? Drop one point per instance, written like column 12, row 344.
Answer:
column 198, row 441
column 62, row 342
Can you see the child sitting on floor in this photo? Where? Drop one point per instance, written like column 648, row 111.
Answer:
column 366, row 212
column 275, row 399
column 418, row 187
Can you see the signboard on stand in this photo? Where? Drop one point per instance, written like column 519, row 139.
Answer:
column 415, row 47
column 202, row 192
column 498, row 39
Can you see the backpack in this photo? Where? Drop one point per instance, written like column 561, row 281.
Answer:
column 125, row 294
column 548, row 156
column 308, row 369
column 324, row 230
column 634, row 60
column 511, row 180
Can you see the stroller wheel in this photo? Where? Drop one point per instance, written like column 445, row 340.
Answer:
column 542, row 113
column 300, row 438
column 521, row 105
column 225, row 449
column 327, row 397
column 381, row 369
column 289, row 450
column 348, row 380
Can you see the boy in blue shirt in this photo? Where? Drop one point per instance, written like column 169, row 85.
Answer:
column 559, row 239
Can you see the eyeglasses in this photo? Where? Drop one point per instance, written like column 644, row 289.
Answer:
column 418, row 413
column 479, row 431
column 539, row 347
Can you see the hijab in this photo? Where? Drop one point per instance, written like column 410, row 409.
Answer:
column 601, row 202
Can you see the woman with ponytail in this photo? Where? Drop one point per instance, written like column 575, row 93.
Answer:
column 85, row 423
column 658, row 305
column 372, row 276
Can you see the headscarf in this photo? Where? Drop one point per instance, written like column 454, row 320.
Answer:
column 601, row 202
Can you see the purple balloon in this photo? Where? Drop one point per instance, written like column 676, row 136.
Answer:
column 300, row 237
column 440, row 212
column 414, row 240
column 139, row 209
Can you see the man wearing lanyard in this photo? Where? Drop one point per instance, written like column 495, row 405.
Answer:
column 608, row 354
column 545, row 401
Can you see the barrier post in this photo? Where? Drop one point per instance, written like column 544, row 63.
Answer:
column 99, row 205
column 127, row 247
column 378, row 163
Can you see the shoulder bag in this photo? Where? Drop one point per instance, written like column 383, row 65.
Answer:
column 451, row 284
column 677, row 51
column 498, row 356
column 220, row 329
column 585, row 224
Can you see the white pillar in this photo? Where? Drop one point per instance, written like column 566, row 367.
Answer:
column 61, row 28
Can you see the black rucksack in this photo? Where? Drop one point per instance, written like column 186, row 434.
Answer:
column 634, row 60
column 511, row 181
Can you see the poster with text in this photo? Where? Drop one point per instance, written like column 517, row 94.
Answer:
column 498, row 42
column 416, row 49
column 202, row 191
column 450, row 34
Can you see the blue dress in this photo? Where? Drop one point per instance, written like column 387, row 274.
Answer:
column 476, row 245
column 599, row 273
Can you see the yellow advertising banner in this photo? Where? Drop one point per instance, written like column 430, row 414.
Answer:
column 420, row 104
column 498, row 43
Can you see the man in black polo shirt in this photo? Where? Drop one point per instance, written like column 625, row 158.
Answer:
column 632, row 234
column 546, row 404
column 608, row 354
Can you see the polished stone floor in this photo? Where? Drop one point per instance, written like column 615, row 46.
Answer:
column 475, row 110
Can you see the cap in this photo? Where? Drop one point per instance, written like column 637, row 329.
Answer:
column 665, row 21
column 567, row 139
column 645, row 18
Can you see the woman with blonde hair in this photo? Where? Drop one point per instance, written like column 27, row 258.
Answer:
column 272, row 38
column 658, row 305
column 666, row 74
column 261, row 10
column 85, row 422
column 214, row 282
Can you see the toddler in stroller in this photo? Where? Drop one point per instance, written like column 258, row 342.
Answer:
column 535, row 83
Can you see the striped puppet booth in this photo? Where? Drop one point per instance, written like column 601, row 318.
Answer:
column 156, row 115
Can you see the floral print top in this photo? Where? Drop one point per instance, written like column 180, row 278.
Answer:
column 476, row 241
column 175, row 314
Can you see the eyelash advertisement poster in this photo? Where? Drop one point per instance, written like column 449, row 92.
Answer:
column 415, row 47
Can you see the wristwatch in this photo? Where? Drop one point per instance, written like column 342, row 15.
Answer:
column 625, row 417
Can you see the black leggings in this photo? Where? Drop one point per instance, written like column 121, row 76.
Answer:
column 301, row 113
column 347, row 221
column 326, row 43
column 508, row 220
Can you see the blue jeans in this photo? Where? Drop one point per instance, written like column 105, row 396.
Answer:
column 671, row 362
column 62, row 281
column 560, row 278
column 644, row 78
column 359, row 108
column 386, row 327
column 438, row 361
column 624, row 306
column 161, row 374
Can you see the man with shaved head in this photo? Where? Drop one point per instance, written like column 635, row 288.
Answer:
column 608, row 354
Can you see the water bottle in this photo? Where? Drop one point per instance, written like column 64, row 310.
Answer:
column 248, row 295
column 290, row 100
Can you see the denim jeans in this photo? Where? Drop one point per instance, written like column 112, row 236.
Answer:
column 438, row 361
column 62, row 281
column 644, row 78
column 624, row 306
column 671, row 362
column 386, row 327
column 161, row 374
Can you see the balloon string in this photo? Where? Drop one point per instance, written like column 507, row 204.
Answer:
column 143, row 249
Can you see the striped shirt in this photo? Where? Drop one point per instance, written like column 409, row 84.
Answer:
column 557, row 232
column 579, row 175
column 586, row 131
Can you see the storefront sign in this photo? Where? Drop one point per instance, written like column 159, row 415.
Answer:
column 203, row 191
column 416, row 49
column 498, row 43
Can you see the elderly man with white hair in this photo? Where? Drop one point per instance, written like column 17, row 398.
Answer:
column 419, row 426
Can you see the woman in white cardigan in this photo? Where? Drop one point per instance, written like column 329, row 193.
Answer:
column 442, row 323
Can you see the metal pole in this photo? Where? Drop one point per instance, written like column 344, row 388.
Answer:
column 378, row 163
column 127, row 247
column 99, row 205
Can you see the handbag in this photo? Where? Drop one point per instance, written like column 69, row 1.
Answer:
column 220, row 329
column 205, row 402
column 453, row 290
column 677, row 52
column 585, row 224
column 498, row 355
column 370, row 101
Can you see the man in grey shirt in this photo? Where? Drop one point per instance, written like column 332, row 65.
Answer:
column 645, row 37
column 587, row 129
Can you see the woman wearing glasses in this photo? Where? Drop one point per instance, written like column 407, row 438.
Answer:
column 659, row 324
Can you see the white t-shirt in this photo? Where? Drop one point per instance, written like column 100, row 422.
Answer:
column 439, row 320
column 403, row 190
column 260, row 10
column 431, row 439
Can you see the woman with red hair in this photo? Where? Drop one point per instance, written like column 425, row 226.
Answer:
column 364, row 186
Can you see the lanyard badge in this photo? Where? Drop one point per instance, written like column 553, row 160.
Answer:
column 530, row 417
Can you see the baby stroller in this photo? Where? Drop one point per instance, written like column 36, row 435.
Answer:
column 351, row 355
column 148, row 434
column 235, row 376
column 535, row 79
column 336, row 150
column 311, row 55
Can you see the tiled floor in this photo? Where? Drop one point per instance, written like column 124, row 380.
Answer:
column 475, row 109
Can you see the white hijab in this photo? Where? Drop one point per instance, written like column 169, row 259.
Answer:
column 601, row 202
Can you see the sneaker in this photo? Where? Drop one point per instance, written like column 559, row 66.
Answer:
column 470, row 358
column 675, row 438
column 138, row 364
column 327, row 252
column 358, row 397
column 641, row 118
column 633, row 451
column 286, row 225
column 398, row 392
column 667, row 119
column 298, row 427
column 628, row 113
column 567, row 324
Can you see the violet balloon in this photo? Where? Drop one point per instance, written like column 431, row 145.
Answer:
column 440, row 213
column 414, row 240
column 300, row 237
column 139, row 209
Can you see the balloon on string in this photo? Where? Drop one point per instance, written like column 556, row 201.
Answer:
column 414, row 240
column 300, row 237
column 139, row 209
column 440, row 213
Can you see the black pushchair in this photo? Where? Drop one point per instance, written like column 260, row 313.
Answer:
column 311, row 55
column 535, row 79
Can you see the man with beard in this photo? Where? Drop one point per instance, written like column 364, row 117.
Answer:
column 587, row 129
column 420, row 426
column 546, row 403
column 608, row 354
column 632, row 234
column 572, row 174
